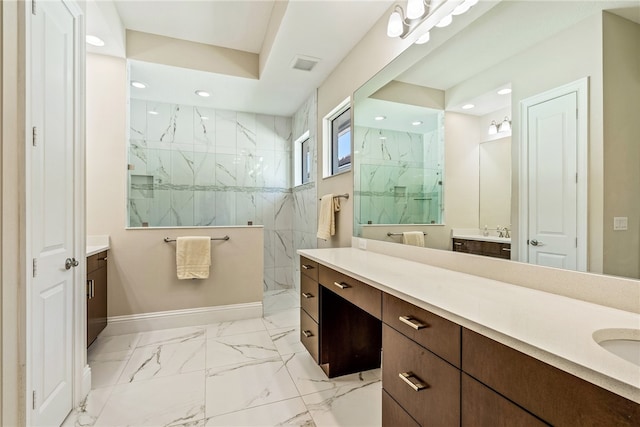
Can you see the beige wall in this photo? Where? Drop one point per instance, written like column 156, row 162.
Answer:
column 142, row 275
column 621, row 61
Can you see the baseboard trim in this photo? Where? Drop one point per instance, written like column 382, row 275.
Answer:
column 86, row 382
column 120, row 325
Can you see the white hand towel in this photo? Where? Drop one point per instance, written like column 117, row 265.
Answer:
column 326, row 218
column 414, row 238
column 193, row 257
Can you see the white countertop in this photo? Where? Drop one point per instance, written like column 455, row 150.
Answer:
column 97, row 244
column 552, row 328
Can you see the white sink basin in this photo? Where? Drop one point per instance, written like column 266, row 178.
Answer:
column 624, row 343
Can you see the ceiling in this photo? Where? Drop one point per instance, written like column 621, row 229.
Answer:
column 323, row 29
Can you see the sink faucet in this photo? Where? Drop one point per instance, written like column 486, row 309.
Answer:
column 503, row 232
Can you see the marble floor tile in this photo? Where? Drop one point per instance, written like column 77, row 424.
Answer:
column 290, row 412
column 106, row 368
column 171, row 336
column 237, row 387
column 155, row 361
column 287, row 340
column 310, row 378
column 240, row 348
column 168, row 401
column 223, row 329
column 357, row 405
column 87, row 413
column 114, row 343
column 282, row 319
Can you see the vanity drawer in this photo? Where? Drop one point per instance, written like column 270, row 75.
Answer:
column 393, row 415
column 309, row 335
column 309, row 296
column 427, row 329
column 96, row 261
column 436, row 400
column 360, row 294
column 309, row 268
column 483, row 407
column 545, row 391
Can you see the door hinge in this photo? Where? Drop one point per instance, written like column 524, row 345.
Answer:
column 35, row 267
column 34, row 137
column 33, row 7
column 33, row 405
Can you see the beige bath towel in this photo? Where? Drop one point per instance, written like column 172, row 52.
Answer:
column 414, row 238
column 193, row 257
column 326, row 218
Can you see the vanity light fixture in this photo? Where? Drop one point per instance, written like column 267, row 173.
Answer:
column 505, row 126
column 379, row 118
column 94, row 40
column 504, row 91
column 493, row 128
column 401, row 24
column 138, row 84
column 417, row 123
column 468, row 106
column 203, row 93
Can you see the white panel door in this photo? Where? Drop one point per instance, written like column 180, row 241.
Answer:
column 51, row 213
column 552, row 157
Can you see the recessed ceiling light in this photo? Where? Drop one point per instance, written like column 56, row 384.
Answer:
column 505, row 91
column 94, row 40
column 203, row 93
column 137, row 84
column 153, row 113
column 416, row 123
column 204, row 118
column 379, row 118
column 468, row 106
column 382, row 138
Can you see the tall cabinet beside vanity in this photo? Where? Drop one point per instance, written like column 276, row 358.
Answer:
column 436, row 371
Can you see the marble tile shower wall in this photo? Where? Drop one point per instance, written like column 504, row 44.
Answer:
column 195, row 166
column 305, row 197
column 400, row 176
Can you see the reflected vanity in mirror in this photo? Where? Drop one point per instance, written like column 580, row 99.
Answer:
column 507, row 158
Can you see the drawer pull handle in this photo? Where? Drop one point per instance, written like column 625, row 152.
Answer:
column 416, row 384
column 102, row 259
column 457, row 243
column 506, row 249
column 307, row 295
column 307, row 266
column 341, row 285
column 415, row 324
column 307, row 334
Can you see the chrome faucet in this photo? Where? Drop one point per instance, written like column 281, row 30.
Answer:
column 503, row 232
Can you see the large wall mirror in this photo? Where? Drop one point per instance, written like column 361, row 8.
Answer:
column 523, row 117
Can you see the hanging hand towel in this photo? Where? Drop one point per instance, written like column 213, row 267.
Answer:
column 193, row 257
column 414, row 238
column 326, row 218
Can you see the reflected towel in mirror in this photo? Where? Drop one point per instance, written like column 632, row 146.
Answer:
column 414, row 238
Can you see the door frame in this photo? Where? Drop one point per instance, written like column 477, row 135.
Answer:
column 81, row 373
column 581, row 88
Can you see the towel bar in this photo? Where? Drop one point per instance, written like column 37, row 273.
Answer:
column 400, row 234
column 345, row 195
column 168, row 239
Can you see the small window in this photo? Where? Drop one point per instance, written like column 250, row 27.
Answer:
column 341, row 142
column 306, row 162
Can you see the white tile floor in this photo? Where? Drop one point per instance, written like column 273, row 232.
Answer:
column 246, row 373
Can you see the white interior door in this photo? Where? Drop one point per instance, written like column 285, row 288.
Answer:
column 552, row 186
column 52, row 212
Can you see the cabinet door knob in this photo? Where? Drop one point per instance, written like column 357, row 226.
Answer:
column 414, row 382
column 341, row 285
column 414, row 323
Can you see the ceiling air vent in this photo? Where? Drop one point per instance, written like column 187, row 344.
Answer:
column 304, row 63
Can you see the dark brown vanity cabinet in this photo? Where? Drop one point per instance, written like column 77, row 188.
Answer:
column 96, row 295
column 479, row 247
column 309, row 306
